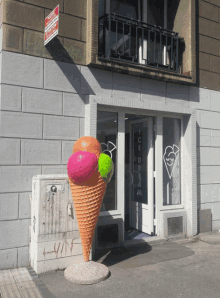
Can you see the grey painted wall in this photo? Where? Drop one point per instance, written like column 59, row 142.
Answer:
column 208, row 153
column 42, row 114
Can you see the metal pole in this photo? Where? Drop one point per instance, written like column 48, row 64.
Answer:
column 165, row 27
column 107, row 30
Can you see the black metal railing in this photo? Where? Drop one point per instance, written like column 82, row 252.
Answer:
column 130, row 40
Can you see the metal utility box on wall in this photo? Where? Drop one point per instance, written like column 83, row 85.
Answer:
column 54, row 241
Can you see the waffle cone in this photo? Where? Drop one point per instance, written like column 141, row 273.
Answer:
column 87, row 199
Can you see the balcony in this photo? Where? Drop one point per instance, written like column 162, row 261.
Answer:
column 133, row 41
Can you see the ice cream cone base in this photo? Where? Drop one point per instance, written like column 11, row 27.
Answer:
column 86, row 273
column 87, row 200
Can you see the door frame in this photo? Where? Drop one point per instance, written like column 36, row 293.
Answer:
column 150, row 168
column 158, row 174
column 160, row 208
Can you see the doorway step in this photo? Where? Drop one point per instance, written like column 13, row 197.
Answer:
column 133, row 236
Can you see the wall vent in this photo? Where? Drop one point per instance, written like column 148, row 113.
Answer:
column 174, row 224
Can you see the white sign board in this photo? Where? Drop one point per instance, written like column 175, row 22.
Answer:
column 51, row 25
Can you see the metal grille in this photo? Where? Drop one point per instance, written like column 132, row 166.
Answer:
column 175, row 225
column 133, row 41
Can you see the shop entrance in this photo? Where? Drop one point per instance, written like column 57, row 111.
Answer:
column 145, row 191
column 139, row 174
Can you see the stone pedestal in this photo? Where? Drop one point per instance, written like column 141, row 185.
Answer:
column 86, row 273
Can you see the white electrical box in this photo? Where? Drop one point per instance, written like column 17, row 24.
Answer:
column 54, row 235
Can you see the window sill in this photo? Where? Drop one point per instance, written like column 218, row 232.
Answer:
column 139, row 70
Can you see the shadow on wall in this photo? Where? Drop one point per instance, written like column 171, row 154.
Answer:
column 59, row 54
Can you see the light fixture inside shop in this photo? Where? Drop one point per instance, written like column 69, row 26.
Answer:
column 116, row 120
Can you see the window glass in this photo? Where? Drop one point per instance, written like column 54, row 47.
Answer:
column 155, row 13
column 107, row 131
column 101, row 7
column 127, row 8
column 139, row 162
column 171, row 161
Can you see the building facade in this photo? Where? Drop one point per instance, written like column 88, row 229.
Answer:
column 143, row 77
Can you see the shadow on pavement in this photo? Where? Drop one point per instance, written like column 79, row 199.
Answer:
column 143, row 254
column 121, row 254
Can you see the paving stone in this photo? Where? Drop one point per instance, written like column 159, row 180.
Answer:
column 10, row 291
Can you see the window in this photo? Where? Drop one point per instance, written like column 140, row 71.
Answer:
column 107, row 131
column 135, row 31
column 171, row 161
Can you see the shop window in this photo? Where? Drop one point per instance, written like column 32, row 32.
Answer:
column 171, row 161
column 107, row 131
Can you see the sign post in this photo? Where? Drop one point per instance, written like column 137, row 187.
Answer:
column 51, row 25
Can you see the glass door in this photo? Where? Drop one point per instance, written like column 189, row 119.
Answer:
column 141, row 175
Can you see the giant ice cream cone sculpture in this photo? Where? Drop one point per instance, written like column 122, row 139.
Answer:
column 89, row 171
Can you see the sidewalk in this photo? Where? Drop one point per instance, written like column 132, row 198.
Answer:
column 182, row 268
column 22, row 283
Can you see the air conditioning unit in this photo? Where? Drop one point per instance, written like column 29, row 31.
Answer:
column 54, row 235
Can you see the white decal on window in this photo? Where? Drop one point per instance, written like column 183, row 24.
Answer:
column 170, row 156
column 132, row 178
column 107, row 146
column 138, row 178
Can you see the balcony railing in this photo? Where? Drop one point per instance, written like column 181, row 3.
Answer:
column 133, row 41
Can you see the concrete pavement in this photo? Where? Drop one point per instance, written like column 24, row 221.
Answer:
column 21, row 283
column 186, row 268
column 182, row 268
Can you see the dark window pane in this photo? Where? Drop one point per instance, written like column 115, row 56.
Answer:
column 107, row 235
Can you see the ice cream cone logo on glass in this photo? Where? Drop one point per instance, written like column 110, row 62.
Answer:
column 89, row 171
column 171, row 154
column 108, row 147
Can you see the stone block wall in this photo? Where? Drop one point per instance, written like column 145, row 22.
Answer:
column 209, row 44
column 42, row 115
column 23, row 29
column 208, row 109
column 42, row 106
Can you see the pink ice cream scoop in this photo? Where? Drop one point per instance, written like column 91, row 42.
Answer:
column 81, row 166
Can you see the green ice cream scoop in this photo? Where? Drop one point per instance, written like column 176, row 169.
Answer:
column 104, row 165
